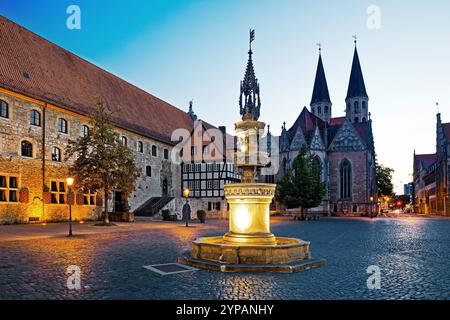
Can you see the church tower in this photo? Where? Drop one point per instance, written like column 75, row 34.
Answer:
column 357, row 100
column 320, row 102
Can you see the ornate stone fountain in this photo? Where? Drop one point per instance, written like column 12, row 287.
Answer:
column 249, row 245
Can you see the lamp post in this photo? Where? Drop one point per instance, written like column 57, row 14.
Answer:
column 186, row 207
column 371, row 207
column 69, row 182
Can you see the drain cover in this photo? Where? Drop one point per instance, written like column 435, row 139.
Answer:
column 169, row 268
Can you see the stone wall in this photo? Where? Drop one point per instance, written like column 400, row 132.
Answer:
column 360, row 192
column 34, row 178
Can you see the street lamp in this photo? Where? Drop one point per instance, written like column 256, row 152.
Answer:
column 69, row 182
column 371, row 209
column 186, row 207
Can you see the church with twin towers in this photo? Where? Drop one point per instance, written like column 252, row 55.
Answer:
column 343, row 146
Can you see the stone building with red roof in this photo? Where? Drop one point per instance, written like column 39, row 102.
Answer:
column 46, row 97
column 343, row 146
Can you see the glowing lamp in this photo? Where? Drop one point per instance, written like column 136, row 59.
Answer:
column 186, row 192
column 70, row 181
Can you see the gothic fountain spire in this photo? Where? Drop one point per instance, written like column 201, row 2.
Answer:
column 249, row 100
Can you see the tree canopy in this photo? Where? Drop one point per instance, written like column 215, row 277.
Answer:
column 102, row 162
column 384, row 180
column 301, row 185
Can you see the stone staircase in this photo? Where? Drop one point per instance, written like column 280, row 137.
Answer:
column 152, row 206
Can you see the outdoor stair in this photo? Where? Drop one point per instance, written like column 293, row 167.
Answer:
column 152, row 206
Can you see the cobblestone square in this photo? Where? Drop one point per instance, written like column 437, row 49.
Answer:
column 412, row 253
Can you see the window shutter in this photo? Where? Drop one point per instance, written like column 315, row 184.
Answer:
column 24, row 195
column 47, row 197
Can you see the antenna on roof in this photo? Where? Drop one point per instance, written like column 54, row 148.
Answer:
column 437, row 106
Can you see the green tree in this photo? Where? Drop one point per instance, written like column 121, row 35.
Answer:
column 384, row 181
column 301, row 185
column 102, row 162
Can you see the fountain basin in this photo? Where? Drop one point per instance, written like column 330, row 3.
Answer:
column 286, row 255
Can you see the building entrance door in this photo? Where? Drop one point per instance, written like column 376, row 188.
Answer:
column 118, row 201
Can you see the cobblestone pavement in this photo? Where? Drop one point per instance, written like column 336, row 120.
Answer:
column 412, row 253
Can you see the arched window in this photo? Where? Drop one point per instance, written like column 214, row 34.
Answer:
column 56, row 154
column 346, row 179
column 4, row 109
column 62, row 125
column 326, row 109
column 364, row 105
column 154, row 151
column 356, row 106
column 35, row 118
column 124, row 140
column 356, row 119
column 26, row 149
column 364, row 119
column 140, row 146
column 319, row 110
column 84, row 131
column 317, row 166
column 166, row 154
column 148, row 171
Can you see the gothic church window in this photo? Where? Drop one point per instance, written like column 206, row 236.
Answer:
column 326, row 109
column 319, row 110
column 356, row 106
column 317, row 163
column 4, row 109
column 140, row 147
column 364, row 105
column 346, row 180
column 124, row 140
column 26, row 149
column 356, row 119
column 35, row 118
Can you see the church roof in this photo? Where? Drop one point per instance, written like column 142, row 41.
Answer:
column 356, row 86
column 337, row 121
column 38, row 68
column 446, row 127
column 425, row 159
column 320, row 91
column 308, row 123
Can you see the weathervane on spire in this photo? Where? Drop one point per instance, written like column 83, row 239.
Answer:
column 320, row 47
column 355, row 37
column 252, row 38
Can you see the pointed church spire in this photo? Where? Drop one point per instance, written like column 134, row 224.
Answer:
column 249, row 100
column 356, row 86
column 320, row 91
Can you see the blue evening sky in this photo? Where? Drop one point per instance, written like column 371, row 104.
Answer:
column 182, row 50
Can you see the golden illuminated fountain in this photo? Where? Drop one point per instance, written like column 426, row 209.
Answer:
column 249, row 245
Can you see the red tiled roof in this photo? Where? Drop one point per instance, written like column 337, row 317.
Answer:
column 35, row 67
column 425, row 159
column 337, row 121
column 446, row 127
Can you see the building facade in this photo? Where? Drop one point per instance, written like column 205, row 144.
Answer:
column 431, row 175
column 47, row 95
column 343, row 146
